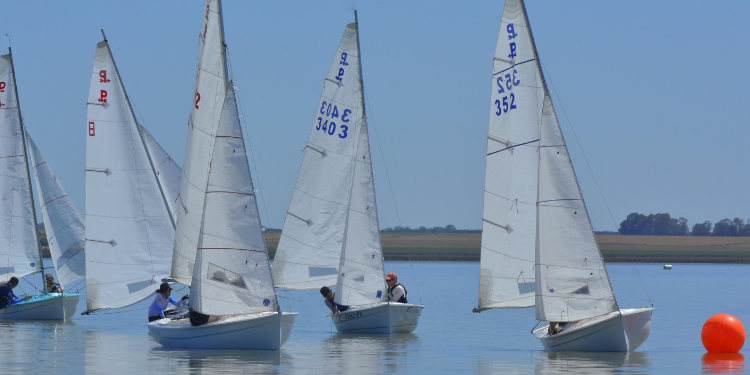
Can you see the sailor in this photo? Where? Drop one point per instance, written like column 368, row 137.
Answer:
column 396, row 291
column 162, row 301
column 7, row 297
column 329, row 295
column 52, row 286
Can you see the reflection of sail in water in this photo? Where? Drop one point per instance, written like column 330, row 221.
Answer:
column 368, row 354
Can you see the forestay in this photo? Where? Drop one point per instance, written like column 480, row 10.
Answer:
column 232, row 273
column 19, row 244
column 168, row 173
column 210, row 88
column 312, row 239
column 129, row 234
column 62, row 222
column 510, row 188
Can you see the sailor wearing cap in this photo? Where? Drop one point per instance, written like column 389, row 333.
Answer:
column 396, row 291
column 162, row 301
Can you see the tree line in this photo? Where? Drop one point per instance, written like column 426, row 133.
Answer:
column 664, row 225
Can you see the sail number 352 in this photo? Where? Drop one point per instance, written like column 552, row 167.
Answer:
column 329, row 113
column 505, row 84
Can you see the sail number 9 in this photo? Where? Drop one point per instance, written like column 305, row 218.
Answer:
column 330, row 112
column 505, row 84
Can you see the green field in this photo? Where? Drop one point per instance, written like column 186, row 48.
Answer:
column 616, row 248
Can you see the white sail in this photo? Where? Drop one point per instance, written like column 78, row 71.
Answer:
column 210, row 88
column 232, row 273
column 62, row 222
column 129, row 234
column 361, row 275
column 510, row 188
column 310, row 247
column 19, row 243
column 573, row 282
column 168, row 172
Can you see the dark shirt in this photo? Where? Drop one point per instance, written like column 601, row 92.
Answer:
column 333, row 305
column 7, row 296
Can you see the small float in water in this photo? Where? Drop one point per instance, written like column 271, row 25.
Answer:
column 667, row 266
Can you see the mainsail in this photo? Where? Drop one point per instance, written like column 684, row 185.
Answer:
column 129, row 233
column 232, row 273
column 506, row 276
column 210, row 89
column 62, row 222
column 19, row 243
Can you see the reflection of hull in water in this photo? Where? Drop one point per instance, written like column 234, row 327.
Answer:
column 383, row 317
column 251, row 331
column 52, row 306
column 621, row 331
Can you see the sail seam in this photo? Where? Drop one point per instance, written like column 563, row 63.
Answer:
column 512, row 66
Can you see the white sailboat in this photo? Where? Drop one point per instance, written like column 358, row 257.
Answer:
column 219, row 243
column 130, row 182
column 19, row 243
column 331, row 233
column 538, row 245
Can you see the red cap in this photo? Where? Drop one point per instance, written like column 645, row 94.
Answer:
column 390, row 276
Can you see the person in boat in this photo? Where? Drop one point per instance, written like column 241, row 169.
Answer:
column 396, row 291
column 329, row 295
column 162, row 300
column 7, row 297
column 52, row 286
column 556, row 327
column 198, row 319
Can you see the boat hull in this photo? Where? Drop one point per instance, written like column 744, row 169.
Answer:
column 385, row 317
column 52, row 306
column 267, row 331
column 621, row 331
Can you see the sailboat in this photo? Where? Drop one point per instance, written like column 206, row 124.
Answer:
column 538, row 245
column 131, row 187
column 19, row 243
column 331, row 233
column 219, row 247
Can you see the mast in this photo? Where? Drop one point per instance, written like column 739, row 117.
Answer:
column 28, row 174
column 140, row 132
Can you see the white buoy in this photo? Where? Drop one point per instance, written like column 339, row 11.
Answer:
column 667, row 266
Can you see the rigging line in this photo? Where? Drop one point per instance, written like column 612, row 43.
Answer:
column 249, row 148
column 596, row 182
column 390, row 187
column 580, row 147
column 512, row 147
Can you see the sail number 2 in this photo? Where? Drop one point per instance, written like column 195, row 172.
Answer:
column 329, row 113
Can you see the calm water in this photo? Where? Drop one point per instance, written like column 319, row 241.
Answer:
column 450, row 338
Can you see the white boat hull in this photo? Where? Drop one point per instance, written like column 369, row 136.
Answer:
column 621, row 331
column 384, row 317
column 266, row 331
column 52, row 306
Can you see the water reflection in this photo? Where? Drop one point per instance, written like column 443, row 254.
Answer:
column 723, row 363
column 368, row 354
column 591, row 362
column 566, row 363
column 22, row 340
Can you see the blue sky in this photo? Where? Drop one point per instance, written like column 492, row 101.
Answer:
column 652, row 95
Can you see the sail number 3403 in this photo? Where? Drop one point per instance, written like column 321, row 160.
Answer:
column 329, row 114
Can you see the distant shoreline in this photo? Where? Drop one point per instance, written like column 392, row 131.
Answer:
column 459, row 247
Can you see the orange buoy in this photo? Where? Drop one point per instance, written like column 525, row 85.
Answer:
column 723, row 333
